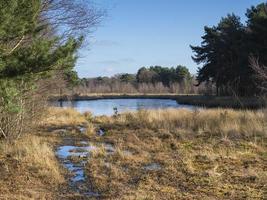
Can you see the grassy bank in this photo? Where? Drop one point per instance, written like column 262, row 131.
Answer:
column 198, row 100
column 181, row 154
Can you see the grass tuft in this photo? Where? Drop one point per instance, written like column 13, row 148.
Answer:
column 207, row 154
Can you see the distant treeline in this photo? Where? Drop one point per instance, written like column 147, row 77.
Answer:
column 155, row 79
column 234, row 54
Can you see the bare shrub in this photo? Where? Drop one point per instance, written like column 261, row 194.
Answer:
column 261, row 72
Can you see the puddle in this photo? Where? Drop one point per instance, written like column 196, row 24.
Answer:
column 78, row 172
column 100, row 132
column 82, row 129
column 152, row 167
column 77, row 181
column 64, row 152
column 74, row 160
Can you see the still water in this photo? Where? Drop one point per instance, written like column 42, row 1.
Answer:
column 106, row 106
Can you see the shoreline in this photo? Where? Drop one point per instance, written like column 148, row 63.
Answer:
column 190, row 99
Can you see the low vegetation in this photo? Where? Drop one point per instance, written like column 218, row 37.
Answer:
column 155, row 154
column 158, row 154
column 58, row 117
column 29, row 170
column 181, row 154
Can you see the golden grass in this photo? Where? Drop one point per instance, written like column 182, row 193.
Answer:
column 205, row 154
column 63, row 117
column 227, row 122
column 36, row 154
column 28, row 169
column 90, row 129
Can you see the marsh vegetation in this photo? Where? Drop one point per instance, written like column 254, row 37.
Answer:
column 181, row 154
column 196, row 153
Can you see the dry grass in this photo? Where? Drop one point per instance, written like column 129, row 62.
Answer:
column 37, row 154
column 28, row 170
column 159, row 154
column 226, row 122
column 63, row 117
column 206, row 154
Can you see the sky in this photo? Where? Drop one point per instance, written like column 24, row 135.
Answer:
column 137, row 33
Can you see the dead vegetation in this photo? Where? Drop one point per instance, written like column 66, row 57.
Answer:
column 159, row 154
column 182, row 154
column 63, row 117
column 28, row 170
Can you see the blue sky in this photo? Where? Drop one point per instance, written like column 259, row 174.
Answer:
column 140, row 33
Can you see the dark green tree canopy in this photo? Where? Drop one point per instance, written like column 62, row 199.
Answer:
column 165, row 75
column 225, row 50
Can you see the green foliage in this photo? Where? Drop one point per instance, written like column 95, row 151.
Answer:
column 127, row 78
column 182, row 73
column 165, row 75
column 9, row 94
column 26, row 54
column 225, row 50
column 18, row 18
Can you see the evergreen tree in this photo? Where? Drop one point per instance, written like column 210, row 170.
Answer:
column 34, row 46
column 225, row 50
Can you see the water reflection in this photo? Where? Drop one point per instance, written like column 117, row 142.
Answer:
column 106, row 106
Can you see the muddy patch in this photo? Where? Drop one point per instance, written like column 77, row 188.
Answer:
column 74, row 155
column 74, row 159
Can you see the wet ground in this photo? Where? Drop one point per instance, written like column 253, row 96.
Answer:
column 74, row 154
column 74, row 157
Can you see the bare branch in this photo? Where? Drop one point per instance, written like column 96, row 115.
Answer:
column 70, row 17
column 261, row 72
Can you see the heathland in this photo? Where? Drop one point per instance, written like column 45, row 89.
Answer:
column 55, row 153
column 156, row 154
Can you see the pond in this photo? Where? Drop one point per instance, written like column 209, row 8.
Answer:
column 107, row 106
